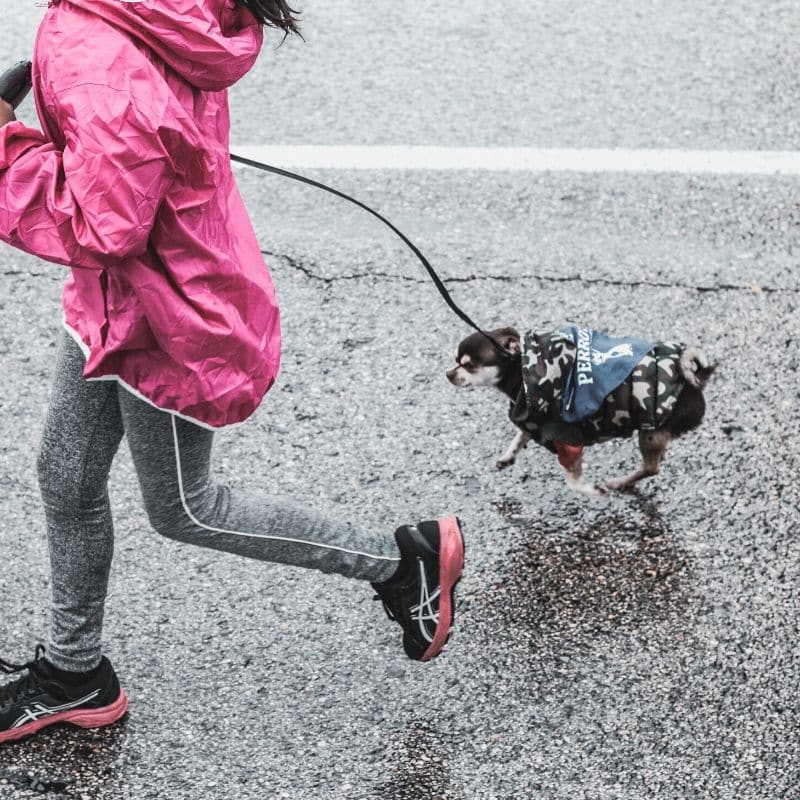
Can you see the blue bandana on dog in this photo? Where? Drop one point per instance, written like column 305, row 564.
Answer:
column 601, row 365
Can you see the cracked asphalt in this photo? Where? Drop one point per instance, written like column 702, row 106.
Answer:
column 646, row 647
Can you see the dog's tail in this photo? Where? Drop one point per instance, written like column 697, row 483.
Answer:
column 695, row 368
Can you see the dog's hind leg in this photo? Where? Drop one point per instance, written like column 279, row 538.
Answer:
column 652, row 445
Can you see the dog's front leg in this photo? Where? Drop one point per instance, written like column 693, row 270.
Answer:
column 519, row 442
column 571, row 459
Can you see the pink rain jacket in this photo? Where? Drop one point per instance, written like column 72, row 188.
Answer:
column 130, row 185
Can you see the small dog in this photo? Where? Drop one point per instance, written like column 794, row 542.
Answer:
column 660, row 396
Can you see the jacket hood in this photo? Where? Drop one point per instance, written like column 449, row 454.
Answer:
column 209, row 43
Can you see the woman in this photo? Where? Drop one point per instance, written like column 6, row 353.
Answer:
column 171, row 331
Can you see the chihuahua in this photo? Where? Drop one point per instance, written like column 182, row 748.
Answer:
column 658, row 393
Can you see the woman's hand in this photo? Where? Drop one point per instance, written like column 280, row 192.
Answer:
column 6, row 113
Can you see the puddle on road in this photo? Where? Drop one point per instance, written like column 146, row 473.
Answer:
column 64, row 762
column 418, row 771
column 569, row 581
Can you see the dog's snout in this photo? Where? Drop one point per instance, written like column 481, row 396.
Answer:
column 455, row 377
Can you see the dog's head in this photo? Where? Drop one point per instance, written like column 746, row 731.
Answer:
column 478, row 362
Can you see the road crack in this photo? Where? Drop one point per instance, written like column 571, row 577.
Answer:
column 752, row 288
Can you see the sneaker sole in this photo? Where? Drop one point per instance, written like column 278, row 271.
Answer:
column 451, row 565
column 82, row 717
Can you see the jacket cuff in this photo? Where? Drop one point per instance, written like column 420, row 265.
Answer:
column 16, row 139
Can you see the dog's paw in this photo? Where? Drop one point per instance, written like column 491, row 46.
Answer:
column 588, row 489
column 618, row 485
column 503, row 463
column 597, row 492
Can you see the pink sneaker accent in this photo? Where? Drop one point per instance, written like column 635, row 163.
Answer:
column 451, row 565
column 82, row 717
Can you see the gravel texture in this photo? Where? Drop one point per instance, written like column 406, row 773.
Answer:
column 644, row 647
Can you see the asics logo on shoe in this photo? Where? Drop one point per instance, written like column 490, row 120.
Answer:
column 38, row 710
column 425, row 610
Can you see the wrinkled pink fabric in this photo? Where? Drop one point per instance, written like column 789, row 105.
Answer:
column 130, row 185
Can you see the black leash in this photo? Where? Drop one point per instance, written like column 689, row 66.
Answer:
column 414, row 249
column 15, row 83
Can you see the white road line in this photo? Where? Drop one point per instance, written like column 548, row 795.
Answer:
column 526, row 159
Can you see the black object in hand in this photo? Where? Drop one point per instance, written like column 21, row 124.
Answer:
column 15, row 83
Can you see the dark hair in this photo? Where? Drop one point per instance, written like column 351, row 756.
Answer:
column 276, row 13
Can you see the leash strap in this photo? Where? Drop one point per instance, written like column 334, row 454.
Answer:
column 414, row 249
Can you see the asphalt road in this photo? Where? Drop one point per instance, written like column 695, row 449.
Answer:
column 641, row 648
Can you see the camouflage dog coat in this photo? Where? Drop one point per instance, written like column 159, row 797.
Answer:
column 642, row 399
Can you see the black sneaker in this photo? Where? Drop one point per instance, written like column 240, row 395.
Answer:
column 39, row 699
column 421, row 595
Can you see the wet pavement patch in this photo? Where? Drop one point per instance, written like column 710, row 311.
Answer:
column 570, row 581
column 35, row 782
column 64, row 762
column 417, row 766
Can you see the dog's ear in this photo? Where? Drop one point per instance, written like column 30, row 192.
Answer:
column 509, row 338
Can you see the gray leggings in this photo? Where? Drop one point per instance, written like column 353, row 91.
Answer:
column 86, row 421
